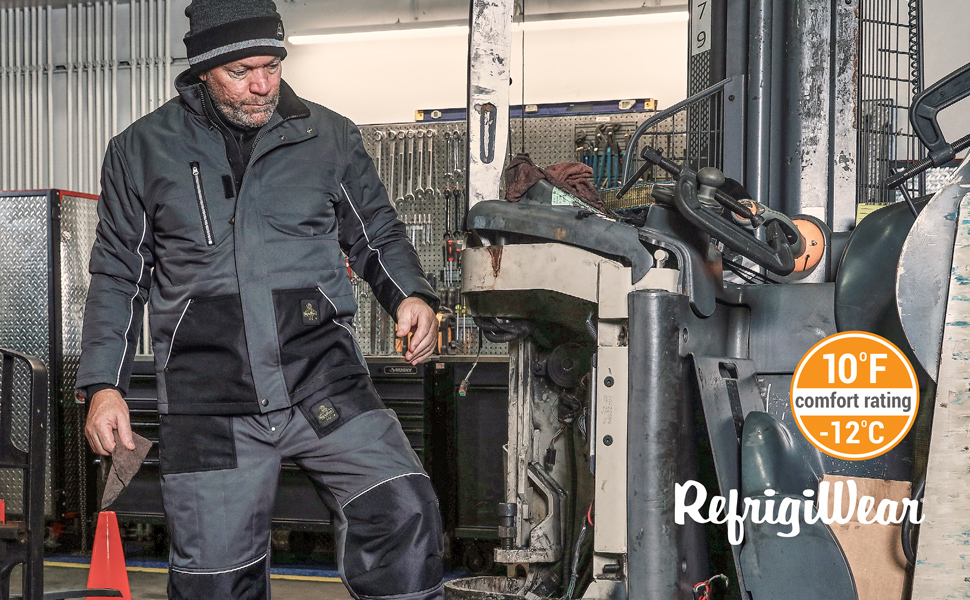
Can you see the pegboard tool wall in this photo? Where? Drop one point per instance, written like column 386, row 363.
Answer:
column 547, row 140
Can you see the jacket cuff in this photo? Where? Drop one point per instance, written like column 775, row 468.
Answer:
column 88, row 392
column 432, row 300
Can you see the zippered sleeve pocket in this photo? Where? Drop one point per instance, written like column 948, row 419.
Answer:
column 203, row 208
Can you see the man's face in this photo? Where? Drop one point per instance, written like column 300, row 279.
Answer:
column 246, row 91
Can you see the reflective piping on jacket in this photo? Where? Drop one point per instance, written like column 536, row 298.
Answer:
column 353, row 337
column 131, row 302
column 249, row 564
column 320, row 289
column 171, row 343
column 363, row 227
column 379, row 483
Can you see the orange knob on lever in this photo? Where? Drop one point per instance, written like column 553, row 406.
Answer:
column 813, row 247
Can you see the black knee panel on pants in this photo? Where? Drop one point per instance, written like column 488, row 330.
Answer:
column 393, row 543
column 248, row 582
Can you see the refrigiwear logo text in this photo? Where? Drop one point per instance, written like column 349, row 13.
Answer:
column 789, row 510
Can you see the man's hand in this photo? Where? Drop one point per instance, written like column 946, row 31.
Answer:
column 414, row 316
column 108, row 411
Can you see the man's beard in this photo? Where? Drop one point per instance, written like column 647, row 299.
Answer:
column 236, row 114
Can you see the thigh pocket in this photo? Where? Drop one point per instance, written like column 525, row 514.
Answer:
column 194, row 443
column 339, row 402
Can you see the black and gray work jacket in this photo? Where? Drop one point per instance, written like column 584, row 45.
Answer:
column 249, row 300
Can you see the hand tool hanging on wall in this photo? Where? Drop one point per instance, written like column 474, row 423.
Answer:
column 623, row 145
column 419, row 191
column 614, row 176
column 607, row 164
column 457, row 138
column 409, row 197
column 459, row 215
column 400, row 186
column 431, row 166
column 389, row 184
column 449, row 245
column 449, row 155
column 581, row 146
column 598, row 148
column 379, row 135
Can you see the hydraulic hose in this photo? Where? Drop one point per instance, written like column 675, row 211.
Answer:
column 906, row 533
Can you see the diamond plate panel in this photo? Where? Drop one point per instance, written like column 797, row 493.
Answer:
column 24, row 317
column 79, row 221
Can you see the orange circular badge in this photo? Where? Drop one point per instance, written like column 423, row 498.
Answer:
column 854, row 395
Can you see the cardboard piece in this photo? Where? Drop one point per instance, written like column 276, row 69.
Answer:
column 874, row 551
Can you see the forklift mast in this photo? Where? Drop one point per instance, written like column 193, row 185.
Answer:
column 815, row 116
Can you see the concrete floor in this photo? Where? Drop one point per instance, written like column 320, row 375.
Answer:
column 148, row 584
column 295, row 575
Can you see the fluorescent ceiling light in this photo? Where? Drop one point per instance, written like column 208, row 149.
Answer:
column 450, row 30
column 386, row 34
column 590, row 22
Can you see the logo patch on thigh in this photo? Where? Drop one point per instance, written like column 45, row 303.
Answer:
column 310, row 310
column 324, row 413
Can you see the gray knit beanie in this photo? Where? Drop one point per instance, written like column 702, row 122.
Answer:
column 221, row 31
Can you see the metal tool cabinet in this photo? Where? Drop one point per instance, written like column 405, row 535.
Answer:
column 45, row 245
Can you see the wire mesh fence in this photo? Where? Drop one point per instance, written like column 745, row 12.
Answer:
column 890, row 74
column 690, row 132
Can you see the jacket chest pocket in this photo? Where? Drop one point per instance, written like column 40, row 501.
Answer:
column 197, row 209
column 298, row 198
column 203, row 204
column 301, row 211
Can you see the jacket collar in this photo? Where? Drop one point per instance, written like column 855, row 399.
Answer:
column 195, row 98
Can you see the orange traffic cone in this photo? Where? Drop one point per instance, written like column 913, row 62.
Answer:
column 108, row 559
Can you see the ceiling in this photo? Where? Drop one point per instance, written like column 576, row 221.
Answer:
column 413, row 10
column 20, row 3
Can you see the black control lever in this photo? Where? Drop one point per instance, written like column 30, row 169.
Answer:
column 776, row 255
column 674, row 169
column 927, row 105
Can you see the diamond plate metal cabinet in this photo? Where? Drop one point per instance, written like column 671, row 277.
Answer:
column 45, row 245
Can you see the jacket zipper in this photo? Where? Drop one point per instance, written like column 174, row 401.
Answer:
column 203, row 209
column 171, row 343
column 255, row 143
column 262, row 135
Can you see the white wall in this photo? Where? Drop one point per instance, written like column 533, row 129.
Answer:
column 380, row 82
column 386, row 81
column 946, row 44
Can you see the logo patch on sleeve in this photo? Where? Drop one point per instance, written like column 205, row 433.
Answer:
column 310, row 310
column 325, row 413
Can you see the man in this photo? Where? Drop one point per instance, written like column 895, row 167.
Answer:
column 226, row 210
